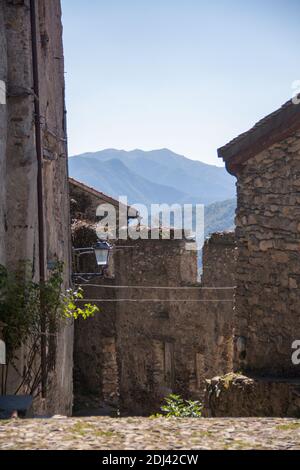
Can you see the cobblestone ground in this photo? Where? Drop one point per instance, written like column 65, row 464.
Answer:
column 150, row 434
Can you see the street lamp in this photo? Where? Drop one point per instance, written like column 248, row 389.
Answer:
column 101, row 251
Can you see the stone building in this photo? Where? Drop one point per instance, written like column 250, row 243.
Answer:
column 34, row 201
column 157, row 331
column 85, row 201
column 95, row 368
column 266, row 162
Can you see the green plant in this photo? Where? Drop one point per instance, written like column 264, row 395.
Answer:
column 70, row 309
column 176, row 406
column 30, row 311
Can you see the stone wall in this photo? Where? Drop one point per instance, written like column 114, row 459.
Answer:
column 3, row 130
column 237, row 395
column 162, row 339
column 268, row 271
column 56, row 187
column 18, row 163
column 95, row 357
column 219, row 260
column 84, row 202
column 21, row 162
column 169, row 346
column 147, row 329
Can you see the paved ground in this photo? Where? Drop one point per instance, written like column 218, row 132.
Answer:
column 150, row 434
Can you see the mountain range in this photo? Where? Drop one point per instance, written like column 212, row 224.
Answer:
column 160, row 176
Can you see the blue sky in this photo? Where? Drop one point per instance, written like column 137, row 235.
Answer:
column 188, row 75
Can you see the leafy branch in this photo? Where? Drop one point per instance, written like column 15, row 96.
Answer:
column 22, row 302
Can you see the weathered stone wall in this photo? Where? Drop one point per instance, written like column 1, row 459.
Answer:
column 219, row 260
column 95, row 357
column 268, row 269
column 161, row 340
column 85, row 201
column 237, row 395
column 175, row 344
column 83, row 204
column 56, row 186
column 19, row 171
column 21, row 161
column 3, row 130
column 146, row 329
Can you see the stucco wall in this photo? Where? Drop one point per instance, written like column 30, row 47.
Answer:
column 268, row 270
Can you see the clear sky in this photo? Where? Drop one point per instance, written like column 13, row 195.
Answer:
column 188, row 75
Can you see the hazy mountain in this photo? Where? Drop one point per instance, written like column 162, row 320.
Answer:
column 114, row 178
column 219, row 216
column 192, row 181
column 160, row 176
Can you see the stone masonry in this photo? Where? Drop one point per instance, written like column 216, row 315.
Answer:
column 268, row 274
column 19, row 238
column 219, row 259
column 266, row 161
column 146, row 343
column 3, row 131
column 95, row 358
column 176, row 339
column 85, row 200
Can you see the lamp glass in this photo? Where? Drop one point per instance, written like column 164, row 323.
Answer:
column 102, row 253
